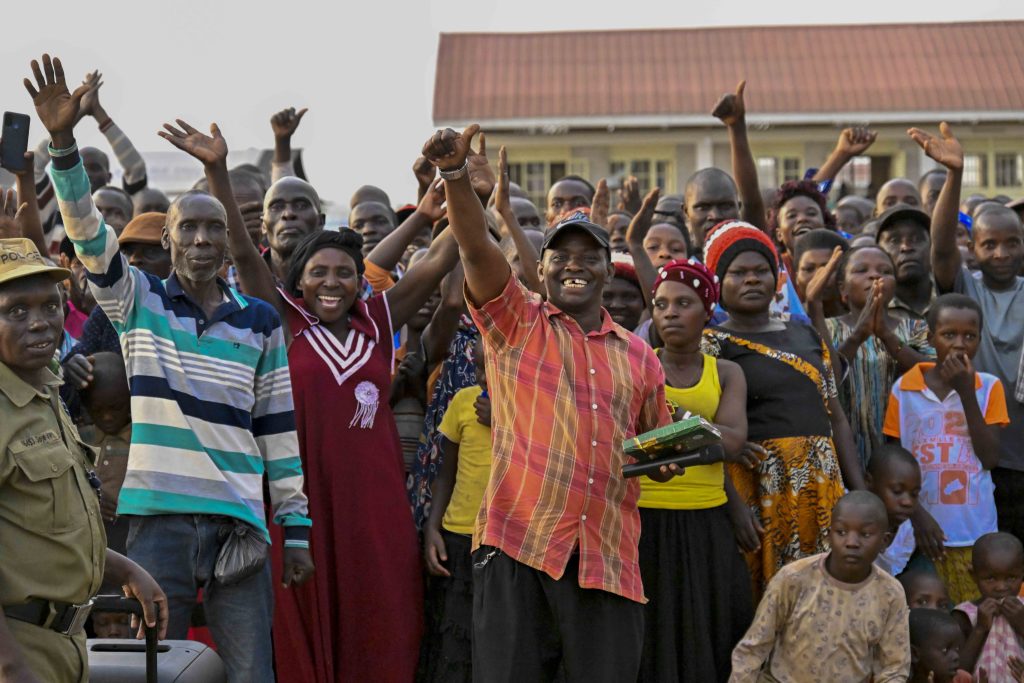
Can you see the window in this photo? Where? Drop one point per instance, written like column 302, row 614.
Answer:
column 536, row 177
column 856, row 175
column 791, row 169
column 1008, row 170
column 648, row 172
column 768, row 172
column 975, row 170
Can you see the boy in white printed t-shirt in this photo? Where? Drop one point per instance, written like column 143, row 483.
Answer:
column 945, row 413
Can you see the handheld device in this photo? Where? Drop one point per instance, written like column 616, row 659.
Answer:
column 14, row 141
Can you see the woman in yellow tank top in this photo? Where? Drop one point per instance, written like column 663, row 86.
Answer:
column 693, row 573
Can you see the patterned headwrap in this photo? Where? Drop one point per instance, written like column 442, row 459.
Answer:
column 729, row 239
column 694, row 275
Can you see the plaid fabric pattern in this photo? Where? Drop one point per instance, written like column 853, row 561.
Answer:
column 563, row 401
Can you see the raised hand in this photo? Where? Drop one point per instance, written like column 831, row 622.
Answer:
column 641, row 223
column 210, row 149
column 600, row 206
column 424, row 172
column 629, row 195
column 855, row 141
column 815, row 290
column 56, row 107
column 958, row 372
column 731, row 109
column 865, row 328
column 947, row 150
column 432, row 204
column 10, row 215
column 502, row 200
column 481, row 175
column 448, row 150
column 91, row 100
column 285, row 122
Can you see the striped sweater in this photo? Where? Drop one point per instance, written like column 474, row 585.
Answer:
column 211, row 399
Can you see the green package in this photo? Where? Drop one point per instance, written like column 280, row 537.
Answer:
column 687, row 434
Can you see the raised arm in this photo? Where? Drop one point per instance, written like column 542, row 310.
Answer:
column 528, row 255
column 487, row 271
column 947, row 151
column 389, row 250
column 646, row 273
column 437, row 337
column 732, row 111
column 284, row 123
column 27, row 217
column 852, row 142
column 112, row 281
column 212, row 151
column 412, row 291
column 128, row 157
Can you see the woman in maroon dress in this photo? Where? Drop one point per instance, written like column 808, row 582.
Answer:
column 360, row 617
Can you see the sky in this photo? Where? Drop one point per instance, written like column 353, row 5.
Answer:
column 365, row 69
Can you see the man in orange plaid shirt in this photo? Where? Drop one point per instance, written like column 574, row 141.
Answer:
column 556, row 581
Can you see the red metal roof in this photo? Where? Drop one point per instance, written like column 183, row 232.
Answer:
column 963, row 67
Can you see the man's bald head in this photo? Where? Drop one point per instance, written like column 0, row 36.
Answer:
column 369, row 193
column 291, row 212
column 292, row 185
column 710, row 197
column 149, row 200
column 897, row 191
column 97, row 167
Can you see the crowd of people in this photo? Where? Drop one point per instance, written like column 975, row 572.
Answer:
column 393, row 452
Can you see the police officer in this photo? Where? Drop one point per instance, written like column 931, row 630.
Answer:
column 53, row 554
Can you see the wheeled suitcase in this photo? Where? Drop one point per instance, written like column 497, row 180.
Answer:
column 130, row 661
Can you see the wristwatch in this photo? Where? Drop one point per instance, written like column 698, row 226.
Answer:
column 460, row 172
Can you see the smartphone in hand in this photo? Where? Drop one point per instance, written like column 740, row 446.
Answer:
column 14, row 141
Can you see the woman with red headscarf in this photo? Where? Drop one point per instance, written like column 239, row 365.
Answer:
column 796, row 423
column 698, row 584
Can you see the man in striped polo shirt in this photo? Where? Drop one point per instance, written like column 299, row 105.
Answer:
column 211, row 401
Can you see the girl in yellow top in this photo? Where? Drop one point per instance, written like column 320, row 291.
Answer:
column 693, row 573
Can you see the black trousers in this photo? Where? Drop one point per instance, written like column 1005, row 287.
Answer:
column 1010, row 500
column 529, row 627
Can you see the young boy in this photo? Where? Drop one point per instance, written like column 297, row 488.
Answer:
column 108, row 402
column 894, row 476
column 924, row 588
column 447, row 534
column 835, row 616
column 813, row 250
column 945, row 413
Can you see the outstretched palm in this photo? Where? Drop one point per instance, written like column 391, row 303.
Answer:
column 947, row 150
column 56, row 107
column 209, row 149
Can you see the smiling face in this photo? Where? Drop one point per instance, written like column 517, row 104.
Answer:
column 290, row 214
column 31, row 322
column 664, row 243
column 575, row 270
column 909, row 245
column 197, row 237
column 679, row 315
column 797, row 216
column 749, row 284
column 624, row 302
column 863, row 268
column 999, row 246
column 329, row 284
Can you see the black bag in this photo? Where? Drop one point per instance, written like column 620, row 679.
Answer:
column 242, row 553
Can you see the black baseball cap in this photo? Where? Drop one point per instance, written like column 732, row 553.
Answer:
column 903, row 213
column 577, row 221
